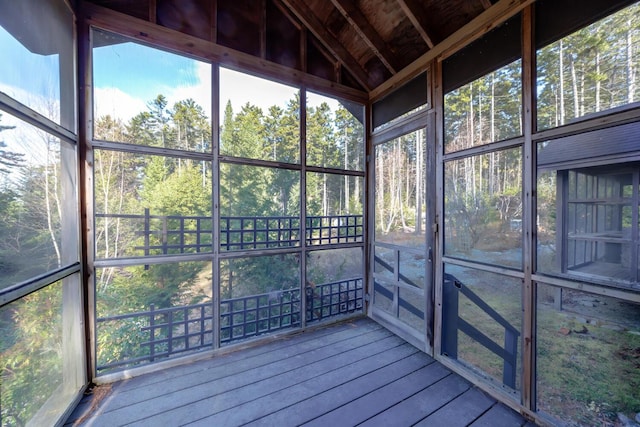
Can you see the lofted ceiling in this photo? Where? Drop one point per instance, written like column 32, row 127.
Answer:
column 356, row 43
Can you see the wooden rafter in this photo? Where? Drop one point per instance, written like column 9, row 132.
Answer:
column 361, row 25
column 409, row 7
column 173, row 40
column 263, row 29
column 300, row 9
column 480, row 25
column 153, row 11
column 486, row 4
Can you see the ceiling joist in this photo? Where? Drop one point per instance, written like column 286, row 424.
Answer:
column 300, row 9
column 486, row 4
column 480, row 25
column 409, row 7
column 359, row 22
column 173, row 40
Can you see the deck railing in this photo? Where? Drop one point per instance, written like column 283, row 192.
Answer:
column 175, row 234
column 452, row 322
column 160, row 333
column 380, row 289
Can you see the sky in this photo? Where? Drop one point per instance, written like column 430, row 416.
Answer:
column 128, row 75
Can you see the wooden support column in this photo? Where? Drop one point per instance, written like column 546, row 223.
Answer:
column 86, row 160
column 529, row 208
column 303, row 209
column 215, row 193
column 437, row 198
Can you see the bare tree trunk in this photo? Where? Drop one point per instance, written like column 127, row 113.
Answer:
column 561, row 69
column 492, row 130
column 47, row 197
column 598, row 84
column 419, row 174
column 356, row 190
column 472, row 118
column 379, row 173
column 325, row 207
column 574, row 83
column 347, row 196
column 493, row 107
column 582, row 92
column 480, row 134
column 631, row 75
column 179, row 140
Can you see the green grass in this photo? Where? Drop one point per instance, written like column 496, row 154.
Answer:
column 585, row 377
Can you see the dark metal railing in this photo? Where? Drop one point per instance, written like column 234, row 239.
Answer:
column 241, row 233
column 452, row 323
column 161, row 333
column 176, row 234
column 381, row 290
column 324, row 230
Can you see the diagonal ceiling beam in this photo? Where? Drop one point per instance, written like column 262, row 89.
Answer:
column 370, row 36
column 408, row 7
column 300, row 9
column 486, row 4
column 480, row 25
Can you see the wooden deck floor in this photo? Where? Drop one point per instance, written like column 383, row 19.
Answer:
column 353, row 373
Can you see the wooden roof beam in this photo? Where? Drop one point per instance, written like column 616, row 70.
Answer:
column 409, row 7
column 175, row 41
column 480, row 25
column 361, row 25
column 486, row 4
column 300, row 9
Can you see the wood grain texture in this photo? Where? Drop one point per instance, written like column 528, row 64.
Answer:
column 343, row 374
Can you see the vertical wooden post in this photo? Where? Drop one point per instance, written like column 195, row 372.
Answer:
column 146, row 234
column 182, row 232
column 529, row 208
column 562, row 193
column 396, row 279
column 216, row 220
column 509, row 364
column 437, row 199
column 73, row 349
column 164, row 235
column 169, row 324
column 198, row 230
column 635, row 218
column 429, row 192
column 85, row 178
column 302, row 231
column 449, row 338
column 152, row 331
column 185, row 318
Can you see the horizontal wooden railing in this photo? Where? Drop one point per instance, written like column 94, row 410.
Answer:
column 176, row 234
column 161, row 333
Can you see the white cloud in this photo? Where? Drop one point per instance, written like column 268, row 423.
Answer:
column 116, row 103
column 48, row 106
column 122, row 105
column 199, row 92
column 242, row 88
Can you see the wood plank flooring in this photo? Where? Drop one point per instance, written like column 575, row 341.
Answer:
column 353, row 373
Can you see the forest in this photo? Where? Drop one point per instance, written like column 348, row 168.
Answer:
column 592, row 70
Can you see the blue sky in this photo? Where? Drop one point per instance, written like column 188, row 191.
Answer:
column 140, row 71
column 29, row 78
column 127, row 76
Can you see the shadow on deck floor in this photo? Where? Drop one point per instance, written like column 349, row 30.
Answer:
column 352, row 373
